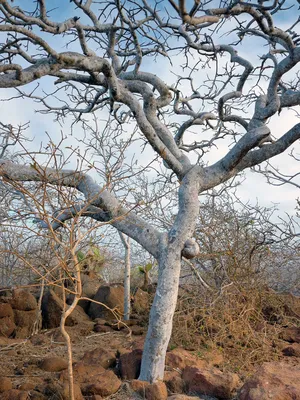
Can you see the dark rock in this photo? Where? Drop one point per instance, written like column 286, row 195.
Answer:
column 113, row 298
column 291, row 334
column 130, row 364
column 52, row 307
column 100, row 356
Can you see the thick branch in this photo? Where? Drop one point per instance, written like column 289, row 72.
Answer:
column 109, row 207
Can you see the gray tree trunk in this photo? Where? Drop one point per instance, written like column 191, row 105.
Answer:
column 172, row 247
column 127, row 268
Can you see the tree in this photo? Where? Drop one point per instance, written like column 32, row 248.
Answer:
column 111, row 47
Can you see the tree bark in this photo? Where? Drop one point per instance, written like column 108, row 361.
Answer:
column 127, row 269
column 164, row 304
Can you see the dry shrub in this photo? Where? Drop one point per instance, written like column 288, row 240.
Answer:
column 243, row 324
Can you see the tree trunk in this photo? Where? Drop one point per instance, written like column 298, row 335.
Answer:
column 127, row 269
column 127, row 281
column 169, row 265
column 161, row 316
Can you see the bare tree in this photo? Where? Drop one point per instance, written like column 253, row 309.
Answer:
column 107, row 70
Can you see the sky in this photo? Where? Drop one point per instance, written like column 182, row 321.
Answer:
column 254, row 188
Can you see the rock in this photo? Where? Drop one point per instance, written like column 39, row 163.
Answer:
column 179, row 358
column 60, row 390
column 23, row 300
column 156, row 391
column 27, row 386
column 102, row 329
column 140, row 302
column 104, row 385
column 6, row 310
column 14, row 394
column 174, row 382
column 5, row 384
column 7, row 326
column 54, row 364
column 25, row 321
column 94, row 379
column 211, row 381
column 137, row 330
column 273, row 380
column 90, row 286
column 291, row 335
column 52, row 307
column 25, row 318
column 214, row 358
column 65, row 392
column 39, row 339
column 34, row 395
column 100, row 356
column 292, row 351
column 115, row 324
column 183, row 397
column 139, row 386
column 99, row 321
column 130, row 364
column 112, row 297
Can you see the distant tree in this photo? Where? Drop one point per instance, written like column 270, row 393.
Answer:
column 224, row 97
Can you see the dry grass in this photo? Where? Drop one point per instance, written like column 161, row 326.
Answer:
column 243, row 324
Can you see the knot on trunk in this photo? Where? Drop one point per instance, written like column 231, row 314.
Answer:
column 191, row 249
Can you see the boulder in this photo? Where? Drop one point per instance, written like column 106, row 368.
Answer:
column 52, row 307
column 104, row 385
column 174, row 382
column 139, row 386
column 211, row 381
column 5, row 384
column 156, row 391
column 273, row 380
column 293, row 350
column 137, row 330
column 34, row 395
column 130, row 364
column 112, row 298
column 90, row 285
column 183, row 397
column 25, row 321
column 6, row 310
column 94, row 379
column 65, row 392
column 23, row 300
column 60, row 390
column 7, row 326
column 141, row 302
column 100, row 356
column 54, row 364
column 179, row 358
column 291, row 334
column 27, row 386
column 14, row 394
column 102, row 329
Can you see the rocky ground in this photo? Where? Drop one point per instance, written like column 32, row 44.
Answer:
column 107, row 355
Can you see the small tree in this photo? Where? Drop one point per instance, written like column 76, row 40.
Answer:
column 108, row 70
